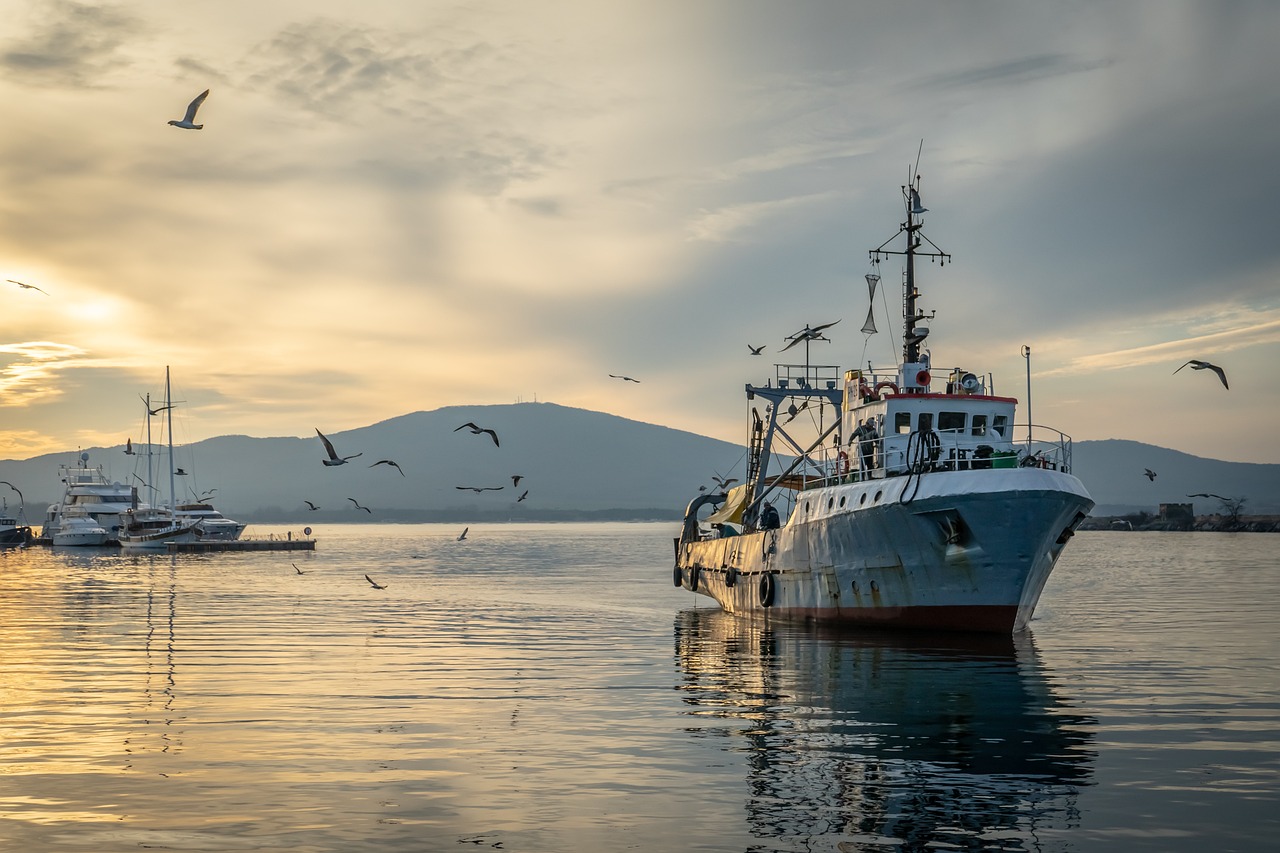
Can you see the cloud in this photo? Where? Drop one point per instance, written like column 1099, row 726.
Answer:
column 1011, row 72
column 31, row 377
column 721, row 226
column 71, row 44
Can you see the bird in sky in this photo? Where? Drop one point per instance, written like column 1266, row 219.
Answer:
column 128, row 447
column 26, row 286
column 809, row 333
column 296, row 569
column 624, row 378
column 479, row 489
column 157, row 410
column 463, row 534
column 477, row 430
column 310, row 506
column 334, row 458
column 1204, row 365
column 374, row 583
column 357, row 503
column 388, row 462
column 724, row 483
column 188, row 121
column 515, row 480
column 523, row 496
column 1207, row 495
column 756, row 350
column 1150, row 475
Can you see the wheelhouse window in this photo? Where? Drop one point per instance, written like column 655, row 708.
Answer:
column 902, row 423
column 1000, row 424
column 951, row 422
column 979, row 425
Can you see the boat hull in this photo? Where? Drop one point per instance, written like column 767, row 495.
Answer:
column 955, row 551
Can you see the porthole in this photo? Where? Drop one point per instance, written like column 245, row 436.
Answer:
column 830, row 503
column 855, row 587
column 877, row 497
column 806, row 506
column 862, row 499
column 843, row 498
column 875, row 587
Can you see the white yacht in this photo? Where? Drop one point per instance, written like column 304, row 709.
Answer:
column 88, row 492
column 77, row 528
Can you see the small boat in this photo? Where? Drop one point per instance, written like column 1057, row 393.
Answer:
column 77, row 528
column 14, row 534
column 917, row 505
column 209, row 524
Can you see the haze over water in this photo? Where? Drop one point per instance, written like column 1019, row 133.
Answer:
column 544, row 687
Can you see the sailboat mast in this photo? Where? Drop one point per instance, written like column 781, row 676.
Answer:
column 151, row 474
column 168, row 401
column 910, row 316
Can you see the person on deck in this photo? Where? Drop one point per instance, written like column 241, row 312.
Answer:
column 866, row 435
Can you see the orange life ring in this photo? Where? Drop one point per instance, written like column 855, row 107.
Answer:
column 888, row 385
column 844, row 462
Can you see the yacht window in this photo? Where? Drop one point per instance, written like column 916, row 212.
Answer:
column 999, row 424
column 902, row 423
column 950, row 421
column 926, row 422
column 979, row 425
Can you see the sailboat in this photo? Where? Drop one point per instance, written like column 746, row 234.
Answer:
column 916, row 506
column 153, row 528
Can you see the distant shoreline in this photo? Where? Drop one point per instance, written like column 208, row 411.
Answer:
column 1201, row 524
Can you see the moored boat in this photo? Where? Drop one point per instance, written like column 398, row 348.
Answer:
column 88, row 490
column 916, row 506
column 77, row 528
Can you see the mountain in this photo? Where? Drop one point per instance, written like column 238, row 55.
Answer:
column 574, row 463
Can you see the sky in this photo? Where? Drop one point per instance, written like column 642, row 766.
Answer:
column 399, row 206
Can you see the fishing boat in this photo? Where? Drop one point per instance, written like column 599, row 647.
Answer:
column 13, row 533
column 919, row 504
column 87, row 491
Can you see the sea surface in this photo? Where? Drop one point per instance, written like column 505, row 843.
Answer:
column 546, row 688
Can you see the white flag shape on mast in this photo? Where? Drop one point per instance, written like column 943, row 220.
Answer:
column 869, row 327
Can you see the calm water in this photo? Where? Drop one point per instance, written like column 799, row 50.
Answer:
column 545, row 688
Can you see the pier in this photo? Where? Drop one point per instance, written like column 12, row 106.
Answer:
column 242, row 545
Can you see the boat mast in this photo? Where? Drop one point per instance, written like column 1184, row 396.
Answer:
column 911, row 314
column 168, row 401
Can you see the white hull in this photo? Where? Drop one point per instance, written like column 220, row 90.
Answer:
column 81, row 537
column 952, row 550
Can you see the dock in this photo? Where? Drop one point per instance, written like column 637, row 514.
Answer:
column 242, row 545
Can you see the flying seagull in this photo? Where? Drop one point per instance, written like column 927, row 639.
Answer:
column 756, row 350
column 334, row 458
column 477, row 430
column 463, row 534
column 188, row 121
column 479, row 489
column 1207, row 495
column 128, row 447
column 310, row 506
column 809, row 333
column 1150, row 475
column 523, row 496
column 515, row 480
column 357, row 503
column 26, row 286
column 624, row 378
column 374, row 583
column 296, row 569
column 724, row 483
column 1202, row 365
column 387, row 462
column 158, row 410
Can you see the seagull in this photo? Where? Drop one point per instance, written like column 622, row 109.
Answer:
column 1151, row 475
column 296, row 569
column 374, row 583
column 128, row 447
column 724, row 483
column 1202, row 365
column 463, row 534
column 188, row 120
column 523, row 496
column 310, row 506
column 357, row 503
column 387, row 462
column 479, row 489
column 476, row 430
column 334, row 458
column 515, row 480
column 809, row 333
column 26, row 286
column 1207, row 495
column 624, row 378
column 156, row 411
column 756, row 350
column 179, row 472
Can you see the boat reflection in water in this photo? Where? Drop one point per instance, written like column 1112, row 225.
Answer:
column 888, row 741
